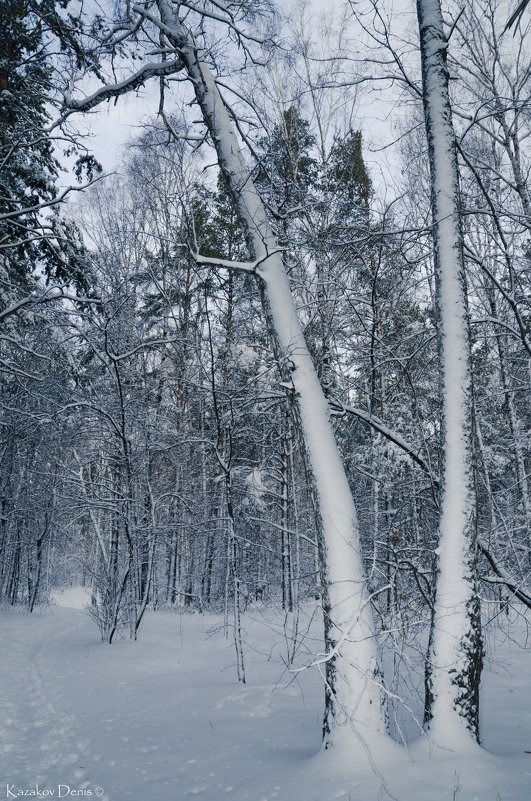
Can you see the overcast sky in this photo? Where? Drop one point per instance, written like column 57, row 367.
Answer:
column 113, row 125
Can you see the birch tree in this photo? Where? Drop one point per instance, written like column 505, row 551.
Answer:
column 455, row 658
column 352, row 689
column 353, row 700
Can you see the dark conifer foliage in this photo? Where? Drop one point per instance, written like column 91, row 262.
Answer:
column 32, row 35
column 29, row 168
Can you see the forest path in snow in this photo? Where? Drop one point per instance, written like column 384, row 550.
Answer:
column 162, row 718
column 41, row 740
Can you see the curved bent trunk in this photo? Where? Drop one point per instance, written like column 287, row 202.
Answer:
column 455, row 657
column 353, row 695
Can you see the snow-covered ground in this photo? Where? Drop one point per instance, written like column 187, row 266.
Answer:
column 164, row 719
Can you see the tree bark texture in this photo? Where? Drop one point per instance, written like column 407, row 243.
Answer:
column 455, row 658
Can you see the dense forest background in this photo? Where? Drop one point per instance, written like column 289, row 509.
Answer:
column 147, row 448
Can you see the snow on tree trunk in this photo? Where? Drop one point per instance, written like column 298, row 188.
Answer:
column 455, row 657
column 353, row 692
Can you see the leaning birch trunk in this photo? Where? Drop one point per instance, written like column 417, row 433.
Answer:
column 455, row 657
column 353, row 693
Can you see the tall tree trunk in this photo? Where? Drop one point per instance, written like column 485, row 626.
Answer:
column 353, row 694
column 455, row 657
column 285, row 545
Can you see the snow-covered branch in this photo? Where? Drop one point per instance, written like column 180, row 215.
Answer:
column 377, row 424
column 34, row 299
column 241, row 266
column 37, row 207
column 109, row 91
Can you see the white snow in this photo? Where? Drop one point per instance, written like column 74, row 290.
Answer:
column 255, row 486
column 73, row 597
column 164, row 719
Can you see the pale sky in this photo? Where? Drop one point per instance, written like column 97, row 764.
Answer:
column 114, row 124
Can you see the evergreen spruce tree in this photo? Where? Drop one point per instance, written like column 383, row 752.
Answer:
column 29, row 169
column 29, row 30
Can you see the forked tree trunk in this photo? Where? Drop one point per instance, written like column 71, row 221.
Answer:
column 353, row 694
column 455, row 657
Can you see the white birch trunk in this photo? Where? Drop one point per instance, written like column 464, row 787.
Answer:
column 353, row 696
column 456, row 647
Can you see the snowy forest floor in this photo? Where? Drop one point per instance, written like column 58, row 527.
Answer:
column 165, row 719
